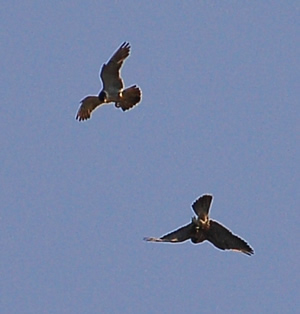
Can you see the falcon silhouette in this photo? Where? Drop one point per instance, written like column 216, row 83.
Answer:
column 202, row 228
column 113, row 85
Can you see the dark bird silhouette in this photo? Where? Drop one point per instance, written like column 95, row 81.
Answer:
column 113, row 85
column 202, row 228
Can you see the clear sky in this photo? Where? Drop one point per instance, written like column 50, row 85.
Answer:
column 219, row 115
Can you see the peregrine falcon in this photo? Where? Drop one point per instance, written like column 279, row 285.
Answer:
column 202, row 228
column 113, row 85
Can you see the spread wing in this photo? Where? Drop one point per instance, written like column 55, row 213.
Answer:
column 201, row 206
column 223, row 239
column 180, row 235
column 110, row 72
column 88, row 104
column 131, row 96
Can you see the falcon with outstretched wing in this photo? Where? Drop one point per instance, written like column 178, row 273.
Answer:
column 113, row 85
column 202, row 228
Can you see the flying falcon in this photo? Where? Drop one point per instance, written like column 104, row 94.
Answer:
column 202, row 228
column 113, row 85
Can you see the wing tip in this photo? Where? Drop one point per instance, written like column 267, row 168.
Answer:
column 246, row 249
column 125, row 44
column 152, row 239
column 249, row 252
column 80, row 117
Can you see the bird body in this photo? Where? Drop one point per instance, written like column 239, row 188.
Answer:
column 113, row 87
column 202, row 228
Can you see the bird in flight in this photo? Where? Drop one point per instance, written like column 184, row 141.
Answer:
column 113, row 85
column 203, row 228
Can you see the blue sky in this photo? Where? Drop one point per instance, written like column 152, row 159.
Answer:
column 219, row 115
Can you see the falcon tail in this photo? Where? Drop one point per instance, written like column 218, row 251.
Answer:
column 131, row 96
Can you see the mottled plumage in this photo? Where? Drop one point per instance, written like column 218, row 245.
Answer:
column 202, row 228
column 113, row 85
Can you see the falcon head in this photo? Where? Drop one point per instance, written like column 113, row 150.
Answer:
column 102, row 96
column 196, row 222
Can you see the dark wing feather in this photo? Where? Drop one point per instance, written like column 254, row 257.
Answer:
column 180, row 235
column 110, row 72
column 201, row 206
column 223, row 239
column 88, row 104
